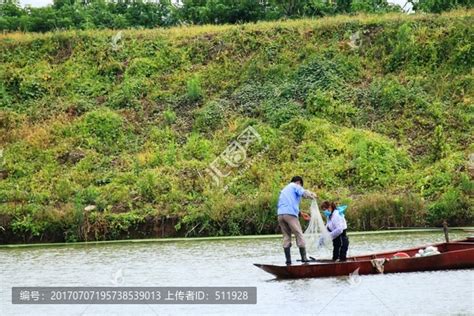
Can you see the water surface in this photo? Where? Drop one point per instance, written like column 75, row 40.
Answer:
column 230, row 263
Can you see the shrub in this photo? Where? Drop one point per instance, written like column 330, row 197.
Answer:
column 324, row 105
column 371, row 6
column 147, row 186
column 386, row 94
column 88, row 196
column 128, row 94
column 73, row 221
column 90, row 85
column 296, row 128
column 120, row 225
column 439, row 146
column 278, row 112
column 381, row 211
column 169, row 117
column 404, row 48
column 32, row 88
column 9, row 120
column 80, row 106
column 28, row 227
column 106, row 225
column 32, row 221
column 210, row 116
column 434, row 184
column 64, row 189
column 453, row 207
column 248, row 97
column 319, row 73
column 435, row 6
column 142, row 67
column 197, row 148
column 375, row 162
column 111, row 69
column 103, row 129
column 440, row 176
column 194, row 90
column 5, row 98
column 117, row 196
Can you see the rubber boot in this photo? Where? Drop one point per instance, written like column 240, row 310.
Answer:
column 287, row 255
column 303, row 254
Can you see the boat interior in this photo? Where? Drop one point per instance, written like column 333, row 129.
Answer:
column 411, row 252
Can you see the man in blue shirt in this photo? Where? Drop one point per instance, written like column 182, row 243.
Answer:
column 288, row 212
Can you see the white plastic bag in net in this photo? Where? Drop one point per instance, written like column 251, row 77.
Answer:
column 316, row 234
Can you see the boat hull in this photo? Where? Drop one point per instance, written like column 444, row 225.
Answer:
column 455, row 255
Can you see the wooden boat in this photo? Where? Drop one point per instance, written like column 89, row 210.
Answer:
column 453, row 255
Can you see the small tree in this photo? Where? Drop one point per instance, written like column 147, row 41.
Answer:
column 438, row 6
column 439, row 144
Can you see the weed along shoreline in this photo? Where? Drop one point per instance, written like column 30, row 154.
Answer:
column 467, row 230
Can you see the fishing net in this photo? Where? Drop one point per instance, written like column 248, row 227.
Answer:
column 317, row 237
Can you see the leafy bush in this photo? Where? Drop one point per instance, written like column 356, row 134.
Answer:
column 318, row 74
column 32, row 88
column 249, row 97
column 453, row 207
column 117, row 196
column 122, row 224
column 324, row 105
column 28, row 227
column 209, row 117
column 87, row 196
column 103, row 129
column 197, row 148
column 435, row 6
column 440, row 176
column 5, row 97
column 375, row 162
column 439, row 145
column 278, row 112
column 142, row 67
column 387, row 94
column 296, row 128
column 169, row 117
column 9, row 120
column 371, row 6
column 64, row 189
column 404, row 47
column 194, row 91
column 128, row 94
column 147, row 186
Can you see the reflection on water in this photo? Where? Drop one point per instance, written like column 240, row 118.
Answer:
column 229, row 263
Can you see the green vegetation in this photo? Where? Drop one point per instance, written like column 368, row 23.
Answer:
column 374, row 111
column 100, row 14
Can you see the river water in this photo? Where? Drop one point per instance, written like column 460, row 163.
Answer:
column 230, row 263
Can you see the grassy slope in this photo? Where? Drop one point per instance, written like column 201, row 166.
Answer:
column 131, row 126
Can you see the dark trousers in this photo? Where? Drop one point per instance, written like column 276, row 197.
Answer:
column 340, row 244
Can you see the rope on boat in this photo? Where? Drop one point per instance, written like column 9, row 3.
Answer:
column 378, row 264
